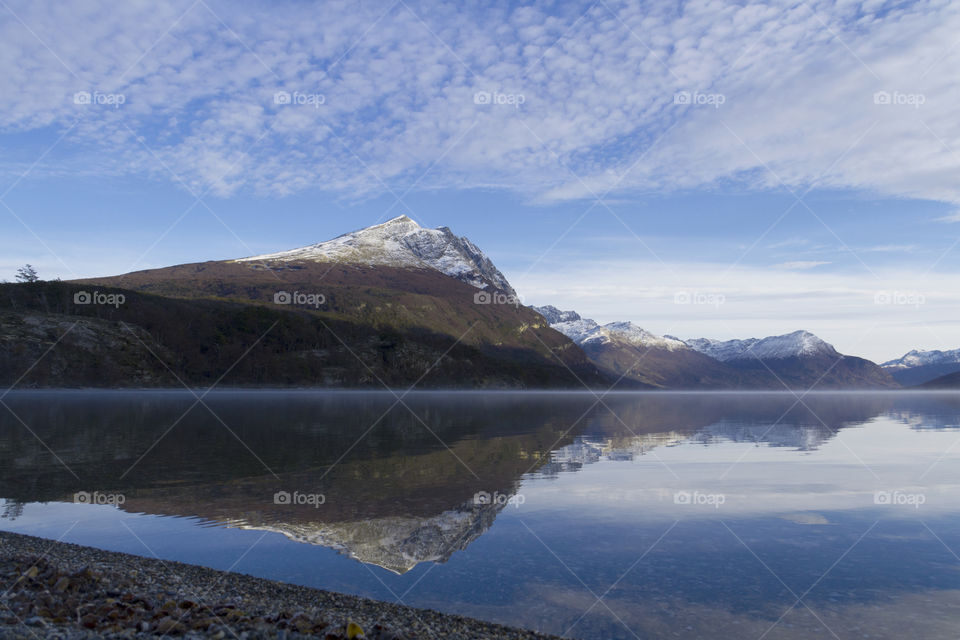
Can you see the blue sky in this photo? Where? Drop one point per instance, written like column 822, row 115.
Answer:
column 780, row 165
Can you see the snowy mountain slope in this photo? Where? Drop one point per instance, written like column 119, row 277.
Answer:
column 791, row 345
column 555, row 316
column 917, row 358
column 634, row 355
column 920, row 367
column 401, row 242
column 584, row 331
column 639, row 337
column 794, row 360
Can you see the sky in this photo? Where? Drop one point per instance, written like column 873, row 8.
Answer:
column 703, row 169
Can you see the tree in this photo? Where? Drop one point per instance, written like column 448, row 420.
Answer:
column 27, row 273
column 12, row 509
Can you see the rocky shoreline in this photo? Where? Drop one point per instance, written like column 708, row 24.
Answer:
column 60, row 590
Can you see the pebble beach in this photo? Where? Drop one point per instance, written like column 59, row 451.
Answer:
column 65, row 591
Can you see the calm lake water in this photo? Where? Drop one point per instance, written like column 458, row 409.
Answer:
column 644, row 515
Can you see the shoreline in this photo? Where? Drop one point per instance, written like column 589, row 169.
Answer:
column 63, row 590
column 492, row 390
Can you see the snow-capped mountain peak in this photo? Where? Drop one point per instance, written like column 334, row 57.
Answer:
column 791, row 345
column 919, row 358
column 585, row 331
column 639, row 337
column 554, row 315
column 401, row 242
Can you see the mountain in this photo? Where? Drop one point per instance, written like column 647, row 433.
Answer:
column 635, row 356
column 586, row 331
column 393, row 304
column 797, row 360
column 159, row 341
column 402, row 243
column 798, row 344
column 919, row 367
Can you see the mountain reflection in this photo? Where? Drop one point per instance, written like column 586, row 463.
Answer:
column 399, row 484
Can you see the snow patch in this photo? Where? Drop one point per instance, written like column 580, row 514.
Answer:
column 403, row 243
column 584, row 331
column 791, row 345
column 918, row 358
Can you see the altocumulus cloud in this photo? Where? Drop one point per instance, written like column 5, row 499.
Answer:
column 553, row 103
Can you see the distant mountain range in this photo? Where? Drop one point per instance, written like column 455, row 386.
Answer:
column 922, row 367
column 393, row 304
column 799, row 344
column 796, row 360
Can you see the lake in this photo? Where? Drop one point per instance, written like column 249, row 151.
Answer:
column 631, row 515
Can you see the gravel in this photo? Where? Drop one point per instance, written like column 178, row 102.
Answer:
column 69, row 592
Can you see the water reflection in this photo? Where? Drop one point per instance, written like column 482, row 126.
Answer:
column 399, row 485
column 598, row 481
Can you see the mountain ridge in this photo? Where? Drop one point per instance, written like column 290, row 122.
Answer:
column 918, row 367
column 584, row 330
column 795, row 344
column 920, row 357
column 795, row 360
column 401, row 242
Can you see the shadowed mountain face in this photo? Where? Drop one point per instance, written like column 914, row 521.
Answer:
column 949, row 381
column 399, row 485
column 196, row 323
column 662, row 368
column 821, row 371
column 373, row 296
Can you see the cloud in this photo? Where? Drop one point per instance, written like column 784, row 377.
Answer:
column 800, row 264
column 789, row 242
column 879, row 315
column 952, row 217
column 890, row 248
column 555, row 103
